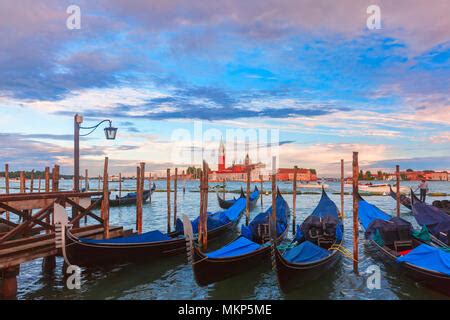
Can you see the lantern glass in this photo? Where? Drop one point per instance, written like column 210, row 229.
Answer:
column 110, row 133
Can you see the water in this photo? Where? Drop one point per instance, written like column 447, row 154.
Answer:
column 173, row 279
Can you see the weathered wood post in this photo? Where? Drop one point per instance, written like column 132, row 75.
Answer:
column 247, row 197
column 204, row 219
column 150, row 186
column 168, row 199
column 86, row 180
column 200, row 224
column 261, row 192
column 355, row 211
column 184, row 183
column 32, row 181
column 105, row 202
column 47, row 179
column 22, row 182
column 342, row 189
column 120, row 186
column 224, row 188
column 140, row 172
column 8, row 290
column 273, row 216
column 7, row 186
column 175, row 198
column 39, row 184
column 55, row 178
column 47, row 189
column 98, row 184
column 294, row 199
column 49, row 263
column 397, row 174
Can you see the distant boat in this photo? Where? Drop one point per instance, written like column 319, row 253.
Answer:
column 380, row 188
column 317, row 185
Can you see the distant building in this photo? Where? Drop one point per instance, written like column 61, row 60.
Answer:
column 427, row 175
column 237, row 172
column 287, row 174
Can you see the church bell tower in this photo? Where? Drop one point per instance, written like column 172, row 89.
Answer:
column 221, row 161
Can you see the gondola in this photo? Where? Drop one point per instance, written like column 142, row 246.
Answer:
column 149, row 245
column 225, row 204
column 313, row 252
column 435, row 220
column 250, row 249
column 404, row 200
column 129, row 198
column 394, row 240
column 443, row 205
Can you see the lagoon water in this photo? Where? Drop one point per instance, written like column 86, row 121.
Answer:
column 172, row 278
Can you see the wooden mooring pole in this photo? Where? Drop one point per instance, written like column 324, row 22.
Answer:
column 120, row 186
column 175, row 187
column 342, row 189
column 7, row 186
column 22, row 182
column 105, row 203
column 168, row 199
column 224, row 186
column 203, row 235
column 247, row 198
column 294, row 199
column 150, row 186
column 47, row 179
column 273, row 216
column 140, row 174
column 8, row 290
column 184, row 182
column 397, row 174
column 86, row 180
column 355, row 211
column 261, row 192
column 39, row 184
column 32, row 181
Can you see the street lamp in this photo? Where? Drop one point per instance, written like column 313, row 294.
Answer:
column 110, row 134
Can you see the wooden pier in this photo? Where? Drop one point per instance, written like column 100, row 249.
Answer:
column 34, row 235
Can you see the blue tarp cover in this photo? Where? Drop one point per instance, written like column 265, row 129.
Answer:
column 305, row 252
column 251, row 230
column 216, row 219
column 368, row 212
column 151, row 236
column 434, row 219
column 238, row 247
column 254, row 195
column 325, row 207
column 427, row 257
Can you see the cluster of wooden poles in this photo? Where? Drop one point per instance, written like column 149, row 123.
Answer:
column 355, row 183
column 202, row 232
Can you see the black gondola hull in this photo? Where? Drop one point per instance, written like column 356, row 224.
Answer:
column 427, row 278
column 87, row 254
column 293, row 275
column 207, row 271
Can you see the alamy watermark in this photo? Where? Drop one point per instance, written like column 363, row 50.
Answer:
column 373, row 21
column 201, row 143
column 73, row 21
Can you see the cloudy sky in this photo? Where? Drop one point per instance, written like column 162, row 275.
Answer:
column 310, row 69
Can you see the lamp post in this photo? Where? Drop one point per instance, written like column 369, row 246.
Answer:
column 110, row 134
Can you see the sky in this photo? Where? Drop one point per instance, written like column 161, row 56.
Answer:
column 308, row 76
